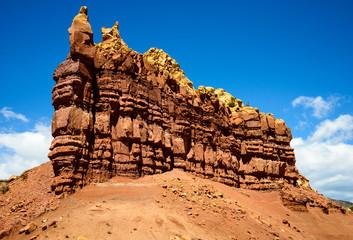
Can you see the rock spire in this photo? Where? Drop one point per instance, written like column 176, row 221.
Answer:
column 81, row 36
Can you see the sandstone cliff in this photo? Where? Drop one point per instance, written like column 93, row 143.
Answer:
column 119, row 112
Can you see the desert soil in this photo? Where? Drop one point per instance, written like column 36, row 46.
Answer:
column 174, row 205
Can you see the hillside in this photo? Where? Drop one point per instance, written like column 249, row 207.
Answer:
column 173, row 205
column 345, row 204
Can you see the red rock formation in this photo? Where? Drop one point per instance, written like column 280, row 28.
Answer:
column 119, row 112
column 72, row 125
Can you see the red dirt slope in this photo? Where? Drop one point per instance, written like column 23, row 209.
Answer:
column 173, row 205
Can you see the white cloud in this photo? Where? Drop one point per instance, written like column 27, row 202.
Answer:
column 320, row 107
column 25, row 150
column 326, row 159
column 8, row 114
column 338, row 130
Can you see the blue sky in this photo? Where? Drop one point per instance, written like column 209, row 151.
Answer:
column 291, row 58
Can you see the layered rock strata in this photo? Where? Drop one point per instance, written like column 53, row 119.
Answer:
column 119, row 112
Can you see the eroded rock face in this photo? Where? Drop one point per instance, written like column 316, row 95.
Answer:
column 119, row 112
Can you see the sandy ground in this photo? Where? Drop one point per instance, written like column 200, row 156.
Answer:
column 177, row 205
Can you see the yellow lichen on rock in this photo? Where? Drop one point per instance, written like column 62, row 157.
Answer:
column 113, row 48
column 163, row 64
column 304, row 184
column 112, row 51
column 111, row 41
column 206, row 90
column 233, row 103
column 81, row 17
column 250, row 109
column 160, row 63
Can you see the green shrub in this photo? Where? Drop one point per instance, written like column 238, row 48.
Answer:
column 4, row 187
column 231, row 104
column 24, row 176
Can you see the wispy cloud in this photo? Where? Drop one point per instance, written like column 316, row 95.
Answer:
column 334, row 131
column 320, row 107
column 24, row 150
column 326, row 157
column 8, row 114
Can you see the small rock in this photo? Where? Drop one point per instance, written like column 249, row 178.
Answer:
column 29, row 228
column 185, row 237
column 182, row 195
column 52, row 223
column 284, row 221
column 13, row 177
column 82, row 238
column 218, row 195
column 174, row 238
column 34, row 237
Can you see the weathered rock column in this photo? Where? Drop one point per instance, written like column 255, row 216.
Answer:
column 73, row 102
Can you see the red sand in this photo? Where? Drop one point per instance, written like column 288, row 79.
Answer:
column 166, row 206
